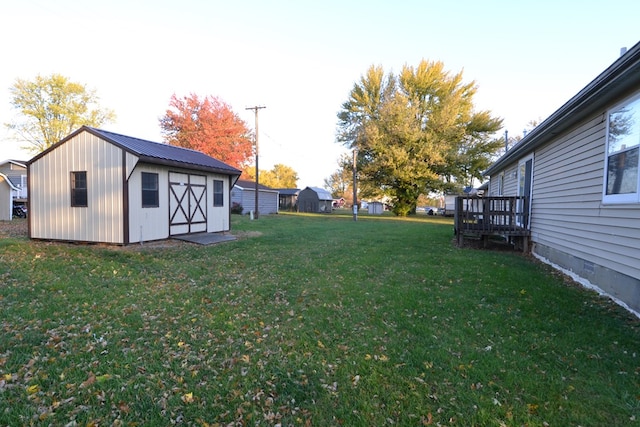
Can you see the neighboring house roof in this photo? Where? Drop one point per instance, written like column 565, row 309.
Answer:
column 288, row 191
column 21, row 163
column 622, row 77
column 322, row 193
column 251, row 185
column 156, row 153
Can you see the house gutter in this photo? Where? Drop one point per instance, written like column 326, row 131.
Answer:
column 615, row 82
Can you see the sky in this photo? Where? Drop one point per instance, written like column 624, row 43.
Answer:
column 300, row 59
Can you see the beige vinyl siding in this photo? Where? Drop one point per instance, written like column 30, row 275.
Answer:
column 6, row 206
column 148, row 223
column 17, row 175
column 567, row 212
column 510, row 183
column 52, row 216
column 267, row 200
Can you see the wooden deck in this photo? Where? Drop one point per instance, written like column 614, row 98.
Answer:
column 482, row 217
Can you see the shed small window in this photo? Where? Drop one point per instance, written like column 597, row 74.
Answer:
column 79, row 189
column 218, row 192
column 150, row 193
column 623, row 143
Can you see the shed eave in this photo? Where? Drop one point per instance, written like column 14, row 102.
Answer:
column 190, row 166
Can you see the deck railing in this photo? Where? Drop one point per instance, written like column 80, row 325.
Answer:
column 495, row 215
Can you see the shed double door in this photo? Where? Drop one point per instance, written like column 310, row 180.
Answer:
column 187, row 203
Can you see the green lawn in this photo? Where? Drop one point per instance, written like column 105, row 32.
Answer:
column 308, row 320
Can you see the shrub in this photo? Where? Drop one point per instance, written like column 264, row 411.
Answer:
column 236, row 208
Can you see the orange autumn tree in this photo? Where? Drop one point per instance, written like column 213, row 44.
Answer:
column 210, row 126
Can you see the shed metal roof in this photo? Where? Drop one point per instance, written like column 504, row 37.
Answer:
column 156, row 153
column 288, row 191
column 251, row 185
column 322, row 193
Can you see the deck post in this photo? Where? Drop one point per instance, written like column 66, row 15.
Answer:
column 457, row 222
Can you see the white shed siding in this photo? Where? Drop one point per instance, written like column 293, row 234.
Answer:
column 218, row 218
column 148, row 223
column 567, row 211
column 52, row 216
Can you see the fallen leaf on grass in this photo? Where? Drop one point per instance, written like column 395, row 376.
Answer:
column 89, row 381
column 427, row 420
column 103, row 378
column 187, row 398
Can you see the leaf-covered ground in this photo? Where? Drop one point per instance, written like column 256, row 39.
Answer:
column 311, row 321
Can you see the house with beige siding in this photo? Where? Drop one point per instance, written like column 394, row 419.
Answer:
column 580, row 169
column 99, row 186
column 13, row 186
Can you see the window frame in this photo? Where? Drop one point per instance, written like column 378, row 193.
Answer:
column 621, row 198
column 75, row 190
column 218, row 194
column 147, row 191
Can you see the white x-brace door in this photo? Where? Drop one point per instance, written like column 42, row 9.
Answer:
column 187, row 203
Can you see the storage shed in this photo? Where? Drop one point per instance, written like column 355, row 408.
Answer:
column 244, row 193
column 376, row 208
column 288, row 199
column 315, row 199
column 99, row 186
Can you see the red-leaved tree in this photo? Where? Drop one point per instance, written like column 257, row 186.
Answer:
column 210, row 126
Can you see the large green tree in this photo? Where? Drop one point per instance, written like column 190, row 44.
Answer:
column 280, row 176
column 51, row 107
column 340, row 182
column 408, row 129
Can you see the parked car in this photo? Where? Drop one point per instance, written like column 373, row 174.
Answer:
column 429, row 210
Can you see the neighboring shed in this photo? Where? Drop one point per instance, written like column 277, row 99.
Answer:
column 315, row 199
column 580, row 173
column 288, row 199
column 244, row 193
column 99, row 186
column 376, row 208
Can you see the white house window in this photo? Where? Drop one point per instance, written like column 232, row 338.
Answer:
column 150, row 193
column 623, row 143
column 218, row 192
column 79, row 189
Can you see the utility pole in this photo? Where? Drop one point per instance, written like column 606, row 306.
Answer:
column 355, row 189
column 255, row 110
